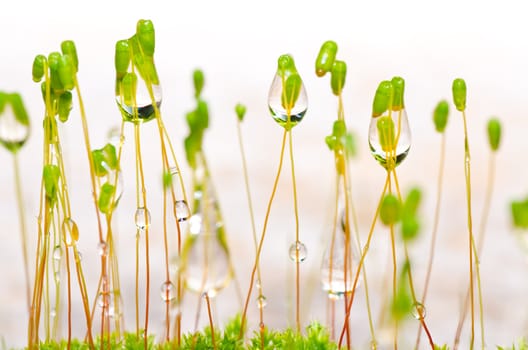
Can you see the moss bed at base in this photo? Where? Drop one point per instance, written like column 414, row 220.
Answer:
column 197, row 258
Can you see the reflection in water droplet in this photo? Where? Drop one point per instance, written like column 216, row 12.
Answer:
column 102, row 249
column 13, row 132
column 71, row 231
column 279, row 113
column 403, row 138
column 298, row 252
column 142, row 218
column 261, row 302
column 182, row 210
column 57, row 253
column 145, row 108
column 167, row 291
column 418, row 311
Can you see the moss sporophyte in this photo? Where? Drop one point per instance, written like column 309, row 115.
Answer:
column 195, row 253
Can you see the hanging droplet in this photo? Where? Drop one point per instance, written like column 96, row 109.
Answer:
column 13, row 131
column 279, row 113
column 57, row 253
column 182, row 210
column 298, row 252
column 390, row 138
column 142, row 218
column 143, row 103
column 102, row 248
column 168, row 291
column 261, row 302
column 71, row 231
column 418, row 311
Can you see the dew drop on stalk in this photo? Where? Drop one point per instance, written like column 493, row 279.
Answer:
column 102, row 248
column 13, row 132
column 418, row 311
column 167, row 291
column 104, row 299
column 298, row 252
column 182, row 210
column 57, row 253
column 143, row 105
column 278, row 112
column 261, row 302
column 142, row 218
column 71, row 231
column 195, row 224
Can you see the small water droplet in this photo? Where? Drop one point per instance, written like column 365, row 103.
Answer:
column 418, row 311
column 104, row 300
column 167, row 291
column 144, row 106
column 71, row 231
column 175, row 265
column 102, row 248
column 13, row 132
column 298, row 252
column 262, row 302
column 57, row 253
column 142, row 218
column 182, row 210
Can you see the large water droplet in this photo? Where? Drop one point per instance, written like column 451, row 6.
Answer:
column 278, row 112
column 402, row 135
column 182, row 210
column 71, row 231
column 13, row 132
column 418, row 311
column 142, row 218
column 298, row 252
column 167, row 291
column 145, row 108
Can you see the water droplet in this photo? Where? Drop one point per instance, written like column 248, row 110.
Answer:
column 104, row 300
column 298, row 252
column 373, row 345
column 262, row 302
column 142, row 218
column 57, row 253
column 78, row 256
column 13, row 132
column 71, row 231
column 279, row 113
column 402, row 137
column 114, row 136
column 168, row 291
column 195, row 224
column 182, row 210
column 418, row 311
column 145, row 108
column 102, row 249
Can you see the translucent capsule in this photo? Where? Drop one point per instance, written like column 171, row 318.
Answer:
column 14, row 130
column 167, row 291
column 70, row 231
column 278, row 111
column 142, row 218
column 181, row 210
column 140, row 107
column 390, row 148
column 298, row 252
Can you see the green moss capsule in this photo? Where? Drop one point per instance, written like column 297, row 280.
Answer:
column 459, row 94
column 440, row 115
column 398, row 84
column 122, row 57
column 286, row 66
column 105, row 198
column 99, row 161
column 382, row 99
column 39, row 66
column 390, row 210
column 519, row 210
column 337, row 81
column 65, row 105
column 386, row 133
column 325, row 59
column 146, row 36
column 51, row 175
column 240, row 111
column 129, row 88
column 110, row 156
column 19, row 110
column 66, row 72
column 68, row 49
column 53, row 62
column 291, row 90
column 494, row 133
column 198, row 81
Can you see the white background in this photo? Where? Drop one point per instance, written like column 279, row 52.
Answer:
column 237, row 43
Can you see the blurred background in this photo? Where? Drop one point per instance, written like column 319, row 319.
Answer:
column 237, row 43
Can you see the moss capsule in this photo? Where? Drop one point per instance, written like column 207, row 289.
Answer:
column 337, row 81
column 105, row 198
column 398, row 84
column 198, row 80
column 325, row 59
column 129, row 88
column 390, row 210
column 68, row 49
column 494, row 133
column 240, row 111
column 65, row 106
column 459, row 94
column 66, row 72
column 19, row 110
column 440, row 115
column 291, row 91
column 51, row 174
column 382, row 99
column 146, row 36
column 386, row 134
column 122, row 57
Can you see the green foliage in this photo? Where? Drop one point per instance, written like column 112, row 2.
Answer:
column 521, row 345
column 198, row 122
column 443, row 347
